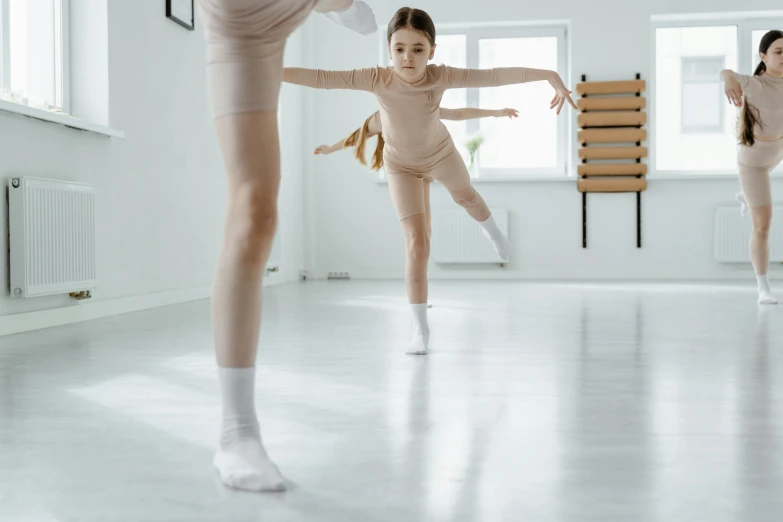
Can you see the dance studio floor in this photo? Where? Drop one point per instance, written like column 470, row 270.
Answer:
column 539, row 402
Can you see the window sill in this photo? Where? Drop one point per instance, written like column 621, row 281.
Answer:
column 652, row 178
column 62, row 119
column 668, row 176
column 507, row 179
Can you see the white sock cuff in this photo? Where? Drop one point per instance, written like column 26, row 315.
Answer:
column 237, row 373
column 489, row 221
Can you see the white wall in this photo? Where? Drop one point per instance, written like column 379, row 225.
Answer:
column 161, row 190
column 355, row 229
column 89, row 60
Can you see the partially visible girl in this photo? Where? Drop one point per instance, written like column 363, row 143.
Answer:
column 760, row 130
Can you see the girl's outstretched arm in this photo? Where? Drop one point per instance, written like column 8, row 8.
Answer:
column 328, row 149
column 468, row 113
column 371, row 127
column 456, row 78
column 356, row 79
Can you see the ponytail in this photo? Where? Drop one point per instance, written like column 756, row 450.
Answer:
column 377, row 157
column 358, row 140
column 749, row 116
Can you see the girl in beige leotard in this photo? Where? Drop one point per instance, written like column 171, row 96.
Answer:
column 761, row 146
column 245, row 44
column 418, row 146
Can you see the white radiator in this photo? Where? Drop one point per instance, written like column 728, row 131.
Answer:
column 52, row 237
column 457, row 238
column 732, row 235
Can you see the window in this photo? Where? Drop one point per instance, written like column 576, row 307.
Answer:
column 532, row 142
column 702, row 95
column 536, row 142
column 34, row 45
column 451, row 50
column 694, row 128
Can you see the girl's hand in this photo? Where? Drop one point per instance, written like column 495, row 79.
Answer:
column 733, row 90
column 562, row 94
column 511, row 113
column 323, row 149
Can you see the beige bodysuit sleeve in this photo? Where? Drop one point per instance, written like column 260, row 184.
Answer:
column 449, row 114
column 751, row 85
column 356, row 79
column 455, row 78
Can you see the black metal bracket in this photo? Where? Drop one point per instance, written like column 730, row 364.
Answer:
column 639, row 218
column 584, row 219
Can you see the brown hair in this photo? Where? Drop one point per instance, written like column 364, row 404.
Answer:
column 749, row 115
column 358, row 140
column 409, row 18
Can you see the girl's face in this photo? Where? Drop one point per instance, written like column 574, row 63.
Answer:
column 773, row 58
column 410, row 51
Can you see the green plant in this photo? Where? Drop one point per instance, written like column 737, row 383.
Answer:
column 473, row 144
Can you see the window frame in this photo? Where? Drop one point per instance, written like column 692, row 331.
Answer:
column 476, row 32
column 62, row 48
column 746, row 23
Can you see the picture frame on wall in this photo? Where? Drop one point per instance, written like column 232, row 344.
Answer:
column 181, row 12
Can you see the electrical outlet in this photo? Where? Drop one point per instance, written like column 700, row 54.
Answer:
column 338, row 275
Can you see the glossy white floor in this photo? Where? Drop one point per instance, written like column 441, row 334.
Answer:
column 539, row 402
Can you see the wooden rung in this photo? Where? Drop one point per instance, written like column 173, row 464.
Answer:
column 616, row 103
column 612, row 185
column 612, row 119
column 612, row 169
column 612, row 152
column 612, row 135
column 627, row 87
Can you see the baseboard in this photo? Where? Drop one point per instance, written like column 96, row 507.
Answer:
column 745, row 273
column 89, row 310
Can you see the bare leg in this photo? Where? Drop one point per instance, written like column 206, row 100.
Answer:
column 251, row 153
column 428, row 212
column 759, row 250
column 428, row 209
column 469, row 199
column 252, row 157
column 417, row 248
column 454, row 176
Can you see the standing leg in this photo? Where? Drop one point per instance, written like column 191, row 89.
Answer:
column 245, row 77
column 410, row 196
column 453, row 174
column 756, row 188
column 428, row 208
column 759, row 251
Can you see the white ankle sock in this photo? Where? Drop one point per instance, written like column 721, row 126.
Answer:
column 765, row 291
column 494, row 234
column 421, row 330
column 740, row 197
column 241, row 459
